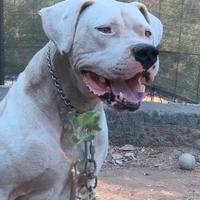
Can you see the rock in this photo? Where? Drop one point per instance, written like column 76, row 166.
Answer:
column 119, row 162
column 146, row 174
column 177, row 153
column 117, row 156
column 187, row 161
column 130, row 155
column 157, row 165
column 127, row 147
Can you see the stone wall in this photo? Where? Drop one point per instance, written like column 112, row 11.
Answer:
column 154, row 125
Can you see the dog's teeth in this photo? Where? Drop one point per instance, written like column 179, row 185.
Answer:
column 121, row 96
column 139, row 80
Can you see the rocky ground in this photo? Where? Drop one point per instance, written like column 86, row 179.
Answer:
column 132, row 173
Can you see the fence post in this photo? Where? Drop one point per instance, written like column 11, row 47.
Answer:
column 2, row 42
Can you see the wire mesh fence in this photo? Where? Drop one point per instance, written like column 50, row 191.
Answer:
column 180, row 50
column 23, row 32
column 179, row 75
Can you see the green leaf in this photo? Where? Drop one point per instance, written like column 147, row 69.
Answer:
column 90, row 121
column 76, row 139
column 72, row 117
column 87, row 138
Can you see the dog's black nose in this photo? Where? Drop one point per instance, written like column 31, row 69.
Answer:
column 145, row 54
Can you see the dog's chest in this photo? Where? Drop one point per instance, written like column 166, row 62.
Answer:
column 70, row 150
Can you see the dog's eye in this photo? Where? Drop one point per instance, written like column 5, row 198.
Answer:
column 106, row 30
column 148, row 34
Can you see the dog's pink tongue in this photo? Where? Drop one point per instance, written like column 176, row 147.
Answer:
column 95, row 83
column 130, row 89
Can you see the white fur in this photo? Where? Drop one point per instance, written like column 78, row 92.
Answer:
column 35, row 138
column 156, row 25
column 59, row 22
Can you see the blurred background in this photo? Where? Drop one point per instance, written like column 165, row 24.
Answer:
column 179, row 77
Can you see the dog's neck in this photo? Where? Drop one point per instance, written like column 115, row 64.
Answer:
column 69, row 83
column 40, row 84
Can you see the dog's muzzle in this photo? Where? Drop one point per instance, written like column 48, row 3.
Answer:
column 125, row 94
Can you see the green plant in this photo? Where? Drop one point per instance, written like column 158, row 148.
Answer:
column 85, row 128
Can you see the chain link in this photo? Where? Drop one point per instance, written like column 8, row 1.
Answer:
column 56, row 82
column 90, row 167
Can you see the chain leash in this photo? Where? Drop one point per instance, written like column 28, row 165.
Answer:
column 90, row 167
column 90, row 179
column 89, row 174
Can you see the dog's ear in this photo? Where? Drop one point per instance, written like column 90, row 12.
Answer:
column 143, row 10
column 156, row 25
column 59, row 22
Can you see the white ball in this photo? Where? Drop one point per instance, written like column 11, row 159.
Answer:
column 187, row 161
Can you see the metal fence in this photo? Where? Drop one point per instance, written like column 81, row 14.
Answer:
column 180, row 58
column 179, row 74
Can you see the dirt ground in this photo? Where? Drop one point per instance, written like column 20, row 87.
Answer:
column 148, row 174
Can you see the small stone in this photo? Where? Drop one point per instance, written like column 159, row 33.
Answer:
column 130, row 155
column 187, row 161
column 119, row 162
column 117, row 156
column 177, row 153
column 146, row 174
column 127, row 147
column 157, row 165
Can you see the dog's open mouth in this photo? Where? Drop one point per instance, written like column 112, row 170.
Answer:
column 120, row 94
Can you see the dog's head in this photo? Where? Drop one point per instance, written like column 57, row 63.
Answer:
column 111, row 47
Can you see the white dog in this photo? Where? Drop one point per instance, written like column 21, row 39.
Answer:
column 101, row 51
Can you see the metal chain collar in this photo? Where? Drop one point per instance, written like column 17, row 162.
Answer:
column 90, row 179
column 56, row 82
